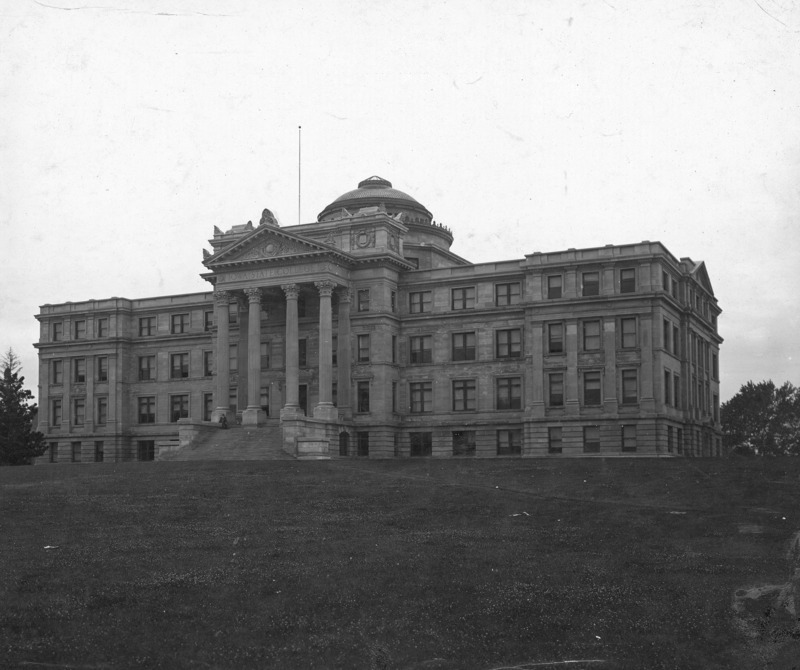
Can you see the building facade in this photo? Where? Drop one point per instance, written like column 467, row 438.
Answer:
column 362, row 334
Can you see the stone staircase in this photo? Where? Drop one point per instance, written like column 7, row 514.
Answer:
column 235, row 444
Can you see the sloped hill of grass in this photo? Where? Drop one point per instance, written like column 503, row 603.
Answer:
column 417, row 564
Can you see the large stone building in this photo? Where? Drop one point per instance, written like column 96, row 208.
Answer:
column 362, row 334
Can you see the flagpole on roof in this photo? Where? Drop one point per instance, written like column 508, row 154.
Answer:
column 299, row 164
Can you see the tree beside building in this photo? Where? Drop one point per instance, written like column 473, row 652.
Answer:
column 19, row 442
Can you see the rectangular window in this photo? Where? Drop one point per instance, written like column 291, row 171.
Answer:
column 591, row 388
column 463, row 395
column 263, row 399
column 101, row 327
column 676, row 341
column 146, row 450
column 55, row 412
column 675, row 288
column 507, row 294
column 233, row 312
column 419, row 302
column 629, row 438
column 179, row 407
column 363, row 348
column 554, row 444
column 233, row 399
column 421, row 397
column 208, row 406
column 78, row 411
column 676, row 391
column 208, row 321
column 463, row 346
column 264, row 355
column 208, row 363
column 180, row 323
column 393, row 301
column 590, row 284
column 421, row 444
column 54, row 452
column 80, row 329
column 147, row 409
column 147, row 326
column 147, row 368
column 555, row 338
column 509, row 442
column 630, row 387
column 714, row 367
column 716, row 408
column 57, row 376
column 394, row 396
column 362, row 300
column 179, row 366
column 667, row 335
column 508, row 343
column 335, row 349
column 627, row 280
column 394, row 348
column 101, row 418
column 79, row 370
column 665, row 281
column 233, row 358
column 667, row 387
column 556, row 389
column 463, row 443
column 679, row 439
column 554, row 286
column 98, row 451
column 302, row 352
column 362, row 443
column 463, row 298
column 669, row 439
column 628, row 333
column 421, row 349
column 591, row 439
column 58, row 332
column 301, row 306
column 362, row 396
column 591, row 335
column 335, row 393
column 101, row 368
column 76, row 452
column 509, row 393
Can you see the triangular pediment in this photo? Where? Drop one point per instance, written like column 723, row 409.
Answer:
column 701, row 277
column 268, row 243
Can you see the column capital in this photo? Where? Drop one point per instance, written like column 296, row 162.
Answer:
column 325, row 288
column 253, row 294
column 222, row 297
column 291, row 291
column 344, row 294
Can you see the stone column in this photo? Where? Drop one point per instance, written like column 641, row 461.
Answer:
column 291, row 408
column 221, row 301
column 325, row 409
column 343, row 354
column 254, row 415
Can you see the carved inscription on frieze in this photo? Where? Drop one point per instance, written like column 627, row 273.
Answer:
column 283, row 271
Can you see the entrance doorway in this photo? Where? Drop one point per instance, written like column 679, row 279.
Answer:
column 303, row 398
column 344, row 443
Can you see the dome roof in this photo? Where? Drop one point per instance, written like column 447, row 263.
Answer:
column 374, row 191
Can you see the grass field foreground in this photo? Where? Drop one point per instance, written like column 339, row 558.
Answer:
column 416, row 564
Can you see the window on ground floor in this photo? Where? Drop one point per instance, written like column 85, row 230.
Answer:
column 629, row 438
column 362, row 443
column 98, row 451
column 463, row 443
column 146, row 450
column 591, row 439
column 554, row 445
column 76, row 452
column 509, row 442
column 421, row 444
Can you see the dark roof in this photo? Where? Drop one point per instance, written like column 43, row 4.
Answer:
column 374, row 191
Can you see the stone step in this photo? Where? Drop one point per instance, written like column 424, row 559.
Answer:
column 236, row 444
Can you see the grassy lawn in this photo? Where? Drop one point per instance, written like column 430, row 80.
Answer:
column 413, row 564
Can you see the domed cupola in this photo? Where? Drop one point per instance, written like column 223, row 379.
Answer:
column 376, row 192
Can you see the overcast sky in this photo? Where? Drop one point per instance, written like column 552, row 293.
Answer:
column 128, row 130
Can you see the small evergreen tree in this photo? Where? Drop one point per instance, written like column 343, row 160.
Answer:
column 19, row 442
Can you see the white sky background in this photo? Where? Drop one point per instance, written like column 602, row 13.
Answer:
column 128, row 129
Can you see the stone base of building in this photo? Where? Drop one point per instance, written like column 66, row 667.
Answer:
column 254, row 416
